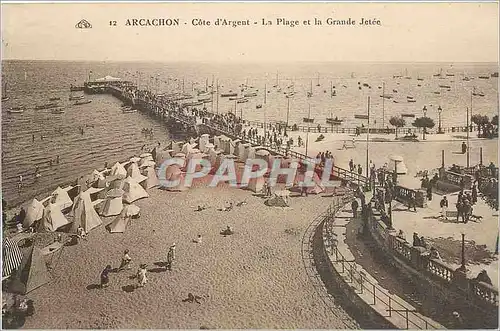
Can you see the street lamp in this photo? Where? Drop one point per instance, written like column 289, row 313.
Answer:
column 425, row 115
column 440, row 110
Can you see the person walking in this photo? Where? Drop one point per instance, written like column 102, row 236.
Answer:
column 474, row 194
column 459, row 208
column 412, row 203
column 141, row 275
column 105, row 276
column 170, row 256
column 126, row 260
column 444, row 207
column 351, row 165
column 360, row 170
column 354, row 207
column 429, row 192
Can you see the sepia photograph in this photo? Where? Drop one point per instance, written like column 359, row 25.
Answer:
column 249, row 165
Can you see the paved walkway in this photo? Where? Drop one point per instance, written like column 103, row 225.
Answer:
column 387, row 304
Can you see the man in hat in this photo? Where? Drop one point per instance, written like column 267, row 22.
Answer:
column 105, row 276
column 444, row 207
column 170, row 256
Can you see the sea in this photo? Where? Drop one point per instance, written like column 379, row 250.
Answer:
column 34, row 138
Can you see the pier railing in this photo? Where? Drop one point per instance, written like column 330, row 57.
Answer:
column 359, row 281
column 419, row 258
column 328, row 128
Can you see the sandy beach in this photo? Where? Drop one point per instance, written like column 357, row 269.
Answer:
column 252, row 279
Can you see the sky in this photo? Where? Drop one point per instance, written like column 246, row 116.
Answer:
column 409, row 32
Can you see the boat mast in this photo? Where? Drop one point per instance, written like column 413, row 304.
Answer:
column 331, row 89
column 307, row 134
column 368, row 139
column 383, row 105
column 277, row 79
column 265, row 93
column 217, row 96
column 287, row 111
column 183, row 85
column 211, row 92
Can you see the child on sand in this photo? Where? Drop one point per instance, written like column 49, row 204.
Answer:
column 141, row 276
column 170, row 256
column 126, row 260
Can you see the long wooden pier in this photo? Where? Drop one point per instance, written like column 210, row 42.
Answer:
column 172, row 112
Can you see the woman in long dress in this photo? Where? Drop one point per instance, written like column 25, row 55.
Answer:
column 141, row 276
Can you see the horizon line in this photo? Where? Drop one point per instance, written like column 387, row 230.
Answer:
column 250, row 62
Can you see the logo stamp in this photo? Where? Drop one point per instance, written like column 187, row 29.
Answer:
column 83, row 24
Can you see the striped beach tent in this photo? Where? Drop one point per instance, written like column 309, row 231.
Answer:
column 12, row 257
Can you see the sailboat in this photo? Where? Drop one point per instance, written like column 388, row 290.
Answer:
column 310, row 93
column 4, row 90
column 476, row 93
column 333, row 121
column 73, row 97
column 318, row 84
column 16, row 110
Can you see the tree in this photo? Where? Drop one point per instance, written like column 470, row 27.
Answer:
column 481, row 121
column 494, row 120
column 398, row 122
column 425, row 123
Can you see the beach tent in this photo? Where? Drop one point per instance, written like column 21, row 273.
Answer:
column 233, row 144
column 94, row 192
column 145, row 165
column 61, row 198
column 279, row 199
column 188, row 148
column 152, row 178
column 96, row 175
column 256, row 184
column 119, row 224
column 12, row 257
column 113, row 204
column 262, row 154
column 34, row 212
column 176, row 147
column 106, row 181
column 249, row 152
column 204, row 140
column 288, row 164
column 193, row 141
column 34, row 271
column 133, row 190
column 134, row 172
column 217, row 142
column 240, row 151
column 118, row 170
column 226, row 145
column 53, row 218
column 84, row 214
column 172, row 174
column 145, row 157
column 397, row 162
column 315, row 188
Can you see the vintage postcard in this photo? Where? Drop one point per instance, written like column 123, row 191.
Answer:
column 236, row 165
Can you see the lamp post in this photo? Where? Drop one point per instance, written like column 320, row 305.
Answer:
column 440, row 110
column 425, row 115
column 462, row 267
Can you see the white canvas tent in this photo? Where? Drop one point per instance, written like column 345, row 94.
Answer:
column 204, row 140
column 113, row 204
column 34, row 212
column 279, row 199
column 84, row 214
column 145, row 157
column 172, row 174
column 152, row 178
column 240, row 151
column 134, row 172
column 249, row 152
column 53, row 218
column 256, row 184
column 133, row 190
column 61, row 198
column 118, row 170
column 119, row 224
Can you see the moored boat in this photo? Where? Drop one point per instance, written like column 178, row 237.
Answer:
column 75, row 97
column 16, row 110
column 258, row 106
column 484, row 77
column 57, row 111
column 411, row 100
column 47, row 106
column 334, row 121
column 444, row 86
column 242, row 101
column 82, row 102
column 250, row 94
column 361, row 116
column 229, row 94
column 407, row 115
